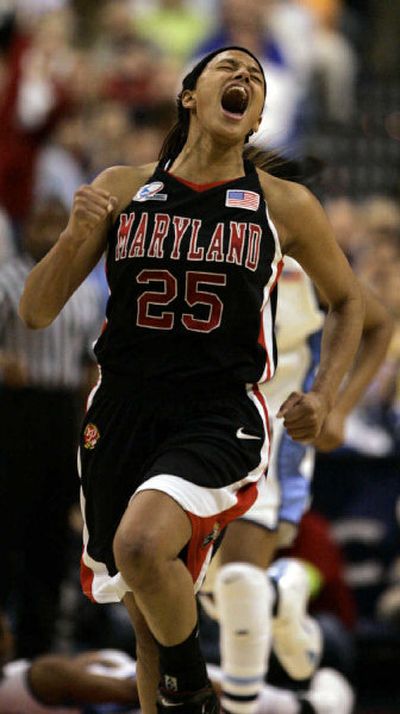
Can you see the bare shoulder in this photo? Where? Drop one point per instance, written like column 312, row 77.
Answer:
column 123, row 181
column 289, row 204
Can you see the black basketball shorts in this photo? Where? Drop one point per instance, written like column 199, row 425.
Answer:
column 209, row 454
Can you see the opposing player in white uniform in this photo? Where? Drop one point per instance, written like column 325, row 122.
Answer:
column 299, row 322
column 69, row 685
column 258, row 612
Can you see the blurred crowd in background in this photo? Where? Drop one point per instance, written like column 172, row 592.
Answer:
column 85, row 84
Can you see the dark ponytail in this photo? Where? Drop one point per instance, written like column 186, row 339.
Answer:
column 303, row 169
column 177, row 135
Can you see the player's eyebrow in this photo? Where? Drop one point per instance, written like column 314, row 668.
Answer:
column 235, row 64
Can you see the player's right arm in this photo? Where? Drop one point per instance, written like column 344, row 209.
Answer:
column 79, row 247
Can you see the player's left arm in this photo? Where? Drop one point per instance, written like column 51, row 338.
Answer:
column 376, row 335
column 306, row 235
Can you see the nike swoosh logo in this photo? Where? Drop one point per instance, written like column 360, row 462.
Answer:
column 167, row 704
column 242, row 435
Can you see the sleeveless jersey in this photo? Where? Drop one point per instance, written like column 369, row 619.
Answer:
column 191, row 275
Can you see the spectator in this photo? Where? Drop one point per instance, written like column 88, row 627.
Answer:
column 126, row 61
column 344, row 215
column 62, row 161
column 174, row 27
column 42, row 377
column 335, row 60
column 381, row 219
column 108, row 129
column 293, row 28
column 33, row 93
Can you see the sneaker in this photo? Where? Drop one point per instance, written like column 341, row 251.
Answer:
column 204, row 701
column 297, row 638
column 330, row 693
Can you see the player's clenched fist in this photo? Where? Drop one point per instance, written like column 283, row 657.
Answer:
column 303, row 415
column 90, row 209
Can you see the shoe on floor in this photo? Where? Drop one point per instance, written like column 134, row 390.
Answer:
column 330, row 693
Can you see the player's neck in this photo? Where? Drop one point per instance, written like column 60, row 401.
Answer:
column 204, row 161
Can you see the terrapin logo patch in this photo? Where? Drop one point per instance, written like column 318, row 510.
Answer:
column 151, row 192
column 91, row 435
column 212, row 537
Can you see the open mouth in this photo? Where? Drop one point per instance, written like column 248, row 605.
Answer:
column 234, row 101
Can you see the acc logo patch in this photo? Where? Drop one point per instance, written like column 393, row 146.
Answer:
column 151, row 192
column 91, row 435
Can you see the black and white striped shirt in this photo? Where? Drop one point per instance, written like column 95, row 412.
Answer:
column 55, row 355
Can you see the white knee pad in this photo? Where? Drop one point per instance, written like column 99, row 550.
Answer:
column 244, row 599
column 297, row 639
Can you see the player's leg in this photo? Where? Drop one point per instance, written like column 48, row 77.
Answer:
column 257, row 607
column 254, row 540
column 297, row 637
column 245, row 541
column 244, row 599
column 147, row 664
column 253, row 543
column 152, row 533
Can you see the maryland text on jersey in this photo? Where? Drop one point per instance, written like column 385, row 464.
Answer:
column 140, row 235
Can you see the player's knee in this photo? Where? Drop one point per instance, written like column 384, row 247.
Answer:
column 136, row 556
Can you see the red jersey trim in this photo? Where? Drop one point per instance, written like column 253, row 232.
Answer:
column 199, row 186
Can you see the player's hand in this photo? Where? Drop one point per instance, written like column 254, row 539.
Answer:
column 331, row 435
column 303, row 415
column 90, row 211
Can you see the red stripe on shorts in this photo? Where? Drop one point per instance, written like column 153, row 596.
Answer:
column 87, row 576
column 205, row 530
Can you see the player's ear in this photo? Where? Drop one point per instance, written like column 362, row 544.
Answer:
column 256, row 126
column 188, row 99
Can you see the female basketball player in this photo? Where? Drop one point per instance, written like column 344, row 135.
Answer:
column 175, row 442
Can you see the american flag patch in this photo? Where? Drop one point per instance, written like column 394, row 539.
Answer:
column 242, row 199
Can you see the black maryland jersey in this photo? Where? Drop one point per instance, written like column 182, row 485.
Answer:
column 191, row 274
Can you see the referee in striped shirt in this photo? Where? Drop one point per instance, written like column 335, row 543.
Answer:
column 43, row 375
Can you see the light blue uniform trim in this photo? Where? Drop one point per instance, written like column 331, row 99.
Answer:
column 242, row 680
column 295, row 488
